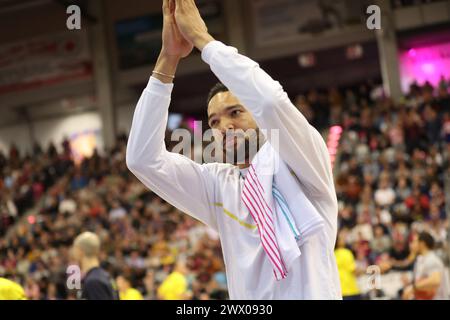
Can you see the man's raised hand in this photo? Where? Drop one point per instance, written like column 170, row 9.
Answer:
column 191, row 24
column 174, row 44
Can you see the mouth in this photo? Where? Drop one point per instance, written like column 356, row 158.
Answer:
column 229, row 142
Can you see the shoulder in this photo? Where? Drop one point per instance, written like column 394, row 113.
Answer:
column 221, row 170
column 97, row 276
column 344, row 253
column 11, row 290
column 178, row 276
column 92, row 282
column 434, row 260
column 134, row 294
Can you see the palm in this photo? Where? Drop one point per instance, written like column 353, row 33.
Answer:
column 174, row 43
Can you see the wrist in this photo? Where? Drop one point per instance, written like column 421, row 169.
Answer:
column 201, row 40
column 167, row 64
column 168, row 60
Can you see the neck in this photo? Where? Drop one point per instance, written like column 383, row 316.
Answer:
column 249, row 158
column 244, row 165
column 89, row 263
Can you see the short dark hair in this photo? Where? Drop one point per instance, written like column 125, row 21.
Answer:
column 427, row 238
column 218, row 88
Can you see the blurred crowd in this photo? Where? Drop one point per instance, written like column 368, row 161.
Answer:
column 142, row 236
column 389, row 177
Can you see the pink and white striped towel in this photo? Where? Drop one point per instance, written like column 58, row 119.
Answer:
column 284, row 225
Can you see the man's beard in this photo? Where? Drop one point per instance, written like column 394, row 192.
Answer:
column 243, row 152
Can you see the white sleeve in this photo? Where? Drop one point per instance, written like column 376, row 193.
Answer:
column 301, row 145
column 177, row 179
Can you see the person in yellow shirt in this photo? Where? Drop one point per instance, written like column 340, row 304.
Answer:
column 347, row 270
column 175, row 286
column 126, row 292
column 9, row 290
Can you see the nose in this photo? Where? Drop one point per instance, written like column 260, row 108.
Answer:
column 225, row 126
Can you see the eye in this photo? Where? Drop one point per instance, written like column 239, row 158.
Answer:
column 235, row 113
column 213, row 123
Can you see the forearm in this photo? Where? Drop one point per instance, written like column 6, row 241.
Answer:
column 166, row 64
column 146, row 139
column 401, row 263
column 150, row 118
column 173, row 177
column 255, row 89
column 431, row 282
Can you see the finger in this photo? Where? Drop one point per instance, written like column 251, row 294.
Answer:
column 165, row 7
column 179, row 4
column 172, row 6
column 192, row 7
column 192, row 4
column 187, row 4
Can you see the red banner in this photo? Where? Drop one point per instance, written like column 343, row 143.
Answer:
column 44, row 61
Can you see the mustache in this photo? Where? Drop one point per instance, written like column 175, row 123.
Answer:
column 246, row 144
column 248, row 135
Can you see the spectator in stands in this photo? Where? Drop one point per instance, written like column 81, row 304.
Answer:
column 97, row 284
column 384, row 195
column 347, row 270
column 32, row 290
column 10, row 290
column 126, row 292
column 175, row 286
column 381, row 243
column 430, row 277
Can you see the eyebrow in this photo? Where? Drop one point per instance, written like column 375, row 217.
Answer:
column 226, row 109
